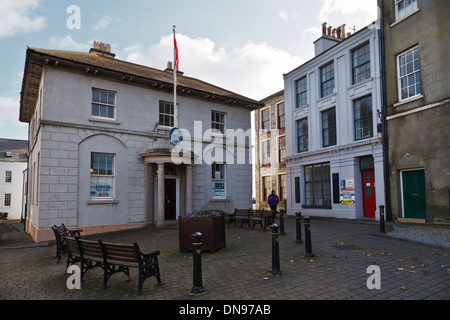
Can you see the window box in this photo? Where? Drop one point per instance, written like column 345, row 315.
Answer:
column 211, row 226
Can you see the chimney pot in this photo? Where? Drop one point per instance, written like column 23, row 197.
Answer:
column 343, row 31
column 324, row 28
column 329, row 30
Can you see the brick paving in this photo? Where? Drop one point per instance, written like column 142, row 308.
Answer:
column 338, row 270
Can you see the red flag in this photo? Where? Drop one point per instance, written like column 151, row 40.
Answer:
column 176, row 50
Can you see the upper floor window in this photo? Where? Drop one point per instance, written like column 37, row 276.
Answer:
column 281, row 116
column 265, row 153
column 103, row 103
column 408, row 65
column 8, row 176
column 363, row 118
column 361, row 63
column 327, row 80
column 218, row 121
column 302, row 135
column 301, row 92
column 282, row 149
column 166, row 114
column 329, row 127
column 404, row 7
column 265, row 119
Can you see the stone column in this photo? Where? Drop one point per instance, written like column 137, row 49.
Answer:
column 188, row 188
column 161, row 191
column 149, row 214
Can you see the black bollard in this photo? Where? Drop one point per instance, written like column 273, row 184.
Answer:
column 197, row 287
column 281, row 221
column 382, row 229
column 275, row 251
column 298, row 220
column 307, row 221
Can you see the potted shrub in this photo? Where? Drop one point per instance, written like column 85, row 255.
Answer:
column 209, row 223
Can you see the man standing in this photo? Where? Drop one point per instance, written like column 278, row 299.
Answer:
column 273, row 201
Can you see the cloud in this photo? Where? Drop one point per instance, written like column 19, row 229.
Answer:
column 254, row 70
column 16, row 17
column 356, row 12
column 283, row 14
column 104, row 21
column 68, row 43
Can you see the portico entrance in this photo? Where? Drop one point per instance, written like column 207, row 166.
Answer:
column 168, row 187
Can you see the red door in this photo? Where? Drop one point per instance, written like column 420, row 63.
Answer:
column 369, row 193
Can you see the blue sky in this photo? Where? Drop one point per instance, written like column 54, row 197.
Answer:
column 244, row 46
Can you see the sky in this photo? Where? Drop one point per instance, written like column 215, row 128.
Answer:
column 244, row 46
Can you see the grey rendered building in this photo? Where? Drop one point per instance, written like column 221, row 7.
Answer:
column 99, row 151
column 417, row 97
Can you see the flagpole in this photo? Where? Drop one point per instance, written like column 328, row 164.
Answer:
column 175, row 80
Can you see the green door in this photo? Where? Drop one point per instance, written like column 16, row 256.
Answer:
column 414, row 202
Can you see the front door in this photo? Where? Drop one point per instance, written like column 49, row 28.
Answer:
column 170, row 198
column 369, row 193
column 414, row 202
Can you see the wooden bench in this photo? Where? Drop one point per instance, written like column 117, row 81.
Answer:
column 60, row 233
column 252, row 217
column 113, row 258
column 240, row 214
column 269, row 217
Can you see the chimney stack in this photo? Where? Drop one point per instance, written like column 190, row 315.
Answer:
column 102, row 49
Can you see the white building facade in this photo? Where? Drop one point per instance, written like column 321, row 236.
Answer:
column 100, row 157
column 334, row 153
column 13, row 165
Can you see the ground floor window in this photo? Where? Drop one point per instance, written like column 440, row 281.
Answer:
column 282, row 186
column 7, row 200
column 267, row 187
column 102, row 176
column 318, row 186
column 218, row 180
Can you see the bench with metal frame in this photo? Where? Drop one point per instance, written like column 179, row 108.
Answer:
column 60, row 233
column 113, row 258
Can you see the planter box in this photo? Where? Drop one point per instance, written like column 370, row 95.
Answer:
column 212, row 230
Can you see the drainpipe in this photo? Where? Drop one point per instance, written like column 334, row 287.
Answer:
column 387, row 193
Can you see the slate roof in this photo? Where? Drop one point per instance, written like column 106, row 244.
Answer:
column 130, row 71
column 16, row 148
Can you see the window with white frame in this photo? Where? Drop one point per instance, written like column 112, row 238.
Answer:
column 166, row 114
column 404, row 8
column 281, row 116
column 282, row 149
column 266, row 187
column 218, row 121
column 301, row 92
column 8, row 176
column 218, row 172
column 265, row 153
column 408, row 65
column 7, row 200
column 329, row 127
column 327, row 80
column 302, row 135
column 361, row 63
column 362, row 109
column 102, row 176
column 282, row 186
column 103, row 103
